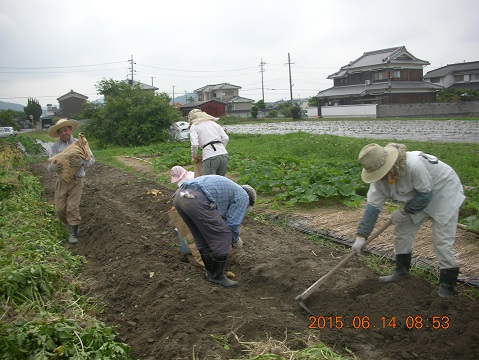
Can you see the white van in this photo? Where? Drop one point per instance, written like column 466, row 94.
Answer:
column 6, row 132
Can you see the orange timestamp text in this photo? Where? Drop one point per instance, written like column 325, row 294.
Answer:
column 366, row 322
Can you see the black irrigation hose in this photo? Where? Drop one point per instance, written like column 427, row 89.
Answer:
column 299, row 225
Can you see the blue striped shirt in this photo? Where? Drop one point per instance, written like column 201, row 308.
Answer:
column 231, row 199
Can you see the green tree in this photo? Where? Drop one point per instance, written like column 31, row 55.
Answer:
column 130, row 115
column 455, row 95
column 12, row 118
column 260, row 104
column 285, row 109
column 314, row 102
column 254, row 111
column 33, row 108
column 273, row 114
column 296, row 112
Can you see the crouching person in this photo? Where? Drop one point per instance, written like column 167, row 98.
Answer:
column 428, row 188
column 213, row 207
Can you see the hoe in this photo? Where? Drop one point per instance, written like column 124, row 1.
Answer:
column 302, row 297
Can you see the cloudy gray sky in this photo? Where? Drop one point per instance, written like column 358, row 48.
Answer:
column 49, row 47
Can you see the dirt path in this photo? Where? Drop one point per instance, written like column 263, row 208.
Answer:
column 165, row 309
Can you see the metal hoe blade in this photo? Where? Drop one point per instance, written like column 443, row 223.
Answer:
column 302, row 297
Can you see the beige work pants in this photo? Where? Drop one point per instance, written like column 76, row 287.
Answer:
column 67, row 200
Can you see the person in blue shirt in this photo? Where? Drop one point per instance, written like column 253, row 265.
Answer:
column 213, row 207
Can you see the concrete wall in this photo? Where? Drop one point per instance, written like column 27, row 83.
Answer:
column 348, row 111
column 463, row 108
column 312, row 112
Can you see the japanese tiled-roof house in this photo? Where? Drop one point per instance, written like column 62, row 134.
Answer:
column 388, row 76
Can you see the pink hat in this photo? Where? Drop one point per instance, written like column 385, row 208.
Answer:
column 177, row 173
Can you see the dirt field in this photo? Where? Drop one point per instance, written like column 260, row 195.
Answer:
column 165, row 309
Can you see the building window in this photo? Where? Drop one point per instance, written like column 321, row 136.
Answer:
column 459, row 77
column 436, row 80
column 396, row 74
column 378, row 75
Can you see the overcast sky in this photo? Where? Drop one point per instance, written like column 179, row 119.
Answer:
column 49, row 47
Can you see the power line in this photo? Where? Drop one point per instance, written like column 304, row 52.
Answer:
column 57, row 67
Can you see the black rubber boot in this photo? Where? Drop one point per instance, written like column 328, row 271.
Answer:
column 447, row 280
column 218, row 272
column 403, row 264
column 206, row 256
column 74, row 230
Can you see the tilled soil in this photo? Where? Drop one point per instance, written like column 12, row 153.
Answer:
column 164, row 308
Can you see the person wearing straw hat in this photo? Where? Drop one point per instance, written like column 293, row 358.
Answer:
column 207, row 135
column 67, row 195
column 428, row 188
column 179, row 175
column 213, row 207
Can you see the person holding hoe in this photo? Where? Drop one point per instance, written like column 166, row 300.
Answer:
column 428, row 188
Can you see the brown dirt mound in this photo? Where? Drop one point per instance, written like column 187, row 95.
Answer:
column 165, row 309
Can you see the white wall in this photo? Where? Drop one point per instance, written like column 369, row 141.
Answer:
column 366, row 110
column 312, row 112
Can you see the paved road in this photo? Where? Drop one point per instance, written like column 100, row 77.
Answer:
column 420, row 130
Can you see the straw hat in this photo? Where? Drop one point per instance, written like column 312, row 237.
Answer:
column 178, row 173
column 377, row 161
column 196, row 115
column 52, row 131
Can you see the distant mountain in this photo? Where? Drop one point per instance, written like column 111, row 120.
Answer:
column 183, row 98
column 10, row 106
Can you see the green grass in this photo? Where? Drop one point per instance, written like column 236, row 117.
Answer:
column 44, row 312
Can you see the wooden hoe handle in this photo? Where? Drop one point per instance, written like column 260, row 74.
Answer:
column 323, row 279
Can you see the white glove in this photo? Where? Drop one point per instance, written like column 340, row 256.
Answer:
column 56, row 166
column 237, row 244
column 358, row 244
column 75, row 160
column 398, row 216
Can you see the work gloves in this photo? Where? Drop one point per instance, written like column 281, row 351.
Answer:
column 75, row 160
column 398, row 216
column 237, row 244
column 358, row 244
column 56, row 167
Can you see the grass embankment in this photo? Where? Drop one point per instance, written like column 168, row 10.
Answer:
column 44, row 312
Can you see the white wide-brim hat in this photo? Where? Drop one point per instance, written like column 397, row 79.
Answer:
column 52, row 131
column 197, row 115
column 377, row 161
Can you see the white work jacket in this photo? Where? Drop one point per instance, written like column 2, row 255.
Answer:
column 424, row 173
column 205, row 132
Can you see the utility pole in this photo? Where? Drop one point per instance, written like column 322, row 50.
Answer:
column 173, row 98
column 290, row 84
column 262, row 71
column 186, row 97
column 153, row 77
column 131, row 68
